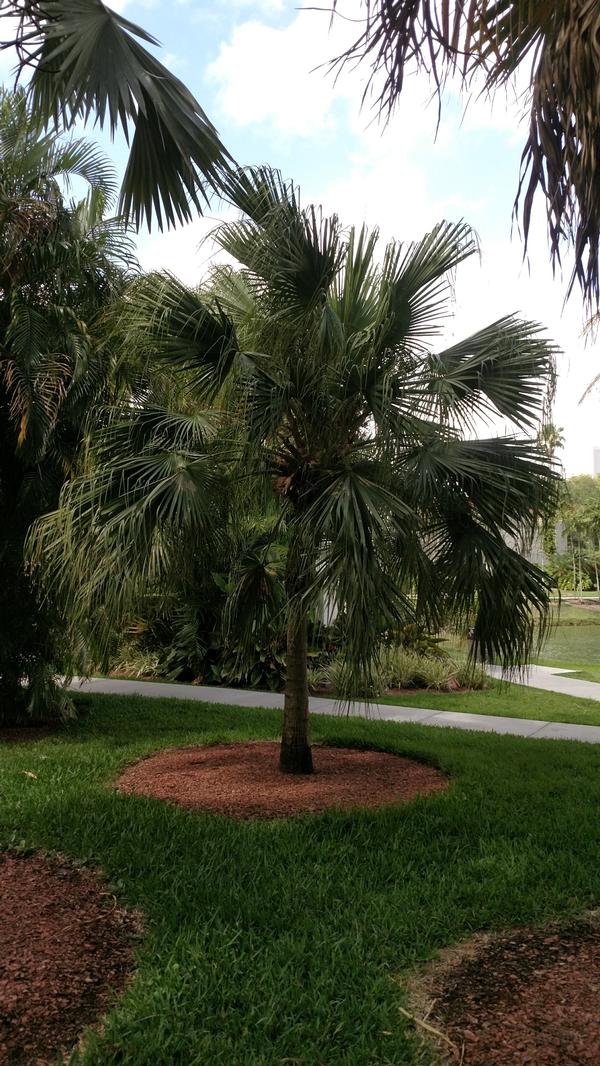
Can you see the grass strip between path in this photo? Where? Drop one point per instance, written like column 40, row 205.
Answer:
column 507, row 700
column 286, row 941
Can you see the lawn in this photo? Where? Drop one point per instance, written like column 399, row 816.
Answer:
column 281, row 942
column 574, row 644
column 509, row 701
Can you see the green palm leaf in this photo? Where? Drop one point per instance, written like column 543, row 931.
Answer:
column 87, row 60
column 503, row 369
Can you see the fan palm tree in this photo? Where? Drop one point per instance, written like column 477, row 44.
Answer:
column 61, row 264
column 493, row 38
column 84, row 59
column 309, row 372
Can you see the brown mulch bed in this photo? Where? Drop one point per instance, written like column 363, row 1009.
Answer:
column 65, row 948
column 530, row 998
column 244, row 780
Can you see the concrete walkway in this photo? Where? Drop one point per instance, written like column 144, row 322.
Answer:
column 549, row 678
column 484, row 723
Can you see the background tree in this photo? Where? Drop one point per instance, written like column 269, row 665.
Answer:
column 61, row 265
column 551, row 440
column 491, row 40
column 309, row 373
column 579, row 515
column 83, row 60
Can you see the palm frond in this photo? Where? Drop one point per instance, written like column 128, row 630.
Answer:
column 296, row 253
column 493, row 38
column 503, row 369
column 168, row 321
column 88, row 60
column 415, row 284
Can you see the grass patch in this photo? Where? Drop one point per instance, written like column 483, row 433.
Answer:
column 588, row 672
column 509, row 701
column 281, row 942
column 572, row 644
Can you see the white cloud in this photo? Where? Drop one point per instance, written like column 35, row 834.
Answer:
column 267, row 75
column 279, row 76
column 188, row 252
column 266, row 7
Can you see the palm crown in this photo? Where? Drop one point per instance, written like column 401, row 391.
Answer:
column 308, row 369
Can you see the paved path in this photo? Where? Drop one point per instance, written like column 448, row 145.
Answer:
column 485, row 723
column 549, row 678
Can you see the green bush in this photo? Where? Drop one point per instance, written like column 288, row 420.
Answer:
column 398, row 668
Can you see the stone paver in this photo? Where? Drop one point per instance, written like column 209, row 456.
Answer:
column 518, row 727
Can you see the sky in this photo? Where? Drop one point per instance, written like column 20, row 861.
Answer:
column 259, row 70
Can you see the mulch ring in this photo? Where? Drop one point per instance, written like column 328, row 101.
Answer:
column 244, row 780
column 65, row 949
column 526, row 998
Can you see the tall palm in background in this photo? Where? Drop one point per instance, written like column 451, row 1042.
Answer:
column 494, row 38
column 83, row 59
column 61, row 265
column 309, row 377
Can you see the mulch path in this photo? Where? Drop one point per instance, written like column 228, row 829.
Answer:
column 244, row 780
column 530, row 998
column 65, row 948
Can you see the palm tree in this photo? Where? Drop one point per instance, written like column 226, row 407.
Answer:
column 493, row 38
column 551, row 438
column 86, row 60
column 308, row 373
column 61, row 264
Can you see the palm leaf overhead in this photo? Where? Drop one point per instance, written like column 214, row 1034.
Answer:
column 490, row 39
column 87, row 60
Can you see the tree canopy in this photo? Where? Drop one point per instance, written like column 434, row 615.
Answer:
column 62, row 263
column 309, row 377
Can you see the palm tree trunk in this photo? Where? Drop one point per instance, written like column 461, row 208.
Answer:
column 295, row 754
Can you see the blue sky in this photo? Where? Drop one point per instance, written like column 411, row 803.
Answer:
column 251, row 64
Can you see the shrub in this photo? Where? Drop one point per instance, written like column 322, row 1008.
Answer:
column 402, row 669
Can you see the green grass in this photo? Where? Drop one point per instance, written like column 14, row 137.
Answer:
column 509, row 701
column 288, row 941
column 584, row 673
column 573, row 644
column 571, row 614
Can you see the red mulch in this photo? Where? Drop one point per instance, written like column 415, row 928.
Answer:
column 244, row 780
column 527, row 999
column 65, row 948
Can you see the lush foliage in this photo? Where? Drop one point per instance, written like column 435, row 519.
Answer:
column 578, row 568
column 292, row 939
column 61, row 264
column 308, row 384
column 398, row 667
